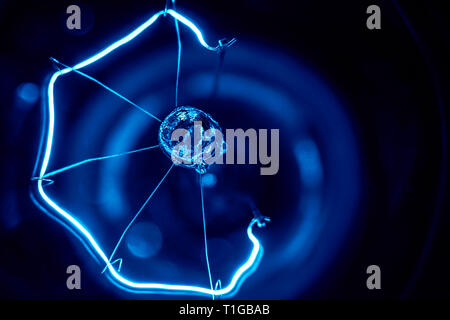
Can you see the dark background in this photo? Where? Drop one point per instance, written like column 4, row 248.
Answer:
column 395, row 85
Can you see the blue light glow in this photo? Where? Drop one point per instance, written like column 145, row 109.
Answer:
column 209, row 180
column 144, row 239
column 28, row 92
column 239, row 275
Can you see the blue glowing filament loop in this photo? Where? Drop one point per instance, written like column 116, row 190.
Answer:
column 256, row 254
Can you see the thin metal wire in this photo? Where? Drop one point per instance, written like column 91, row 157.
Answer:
column 135, row 217
column 204, row 235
